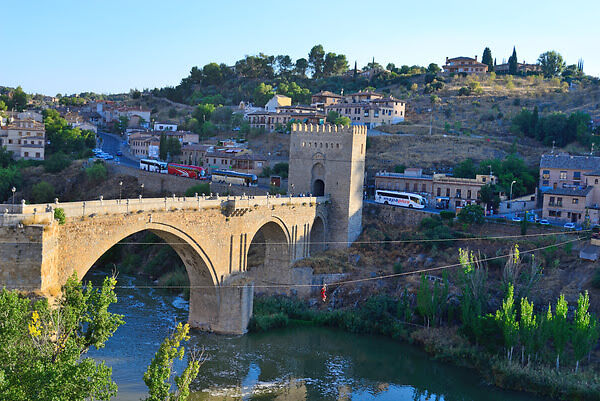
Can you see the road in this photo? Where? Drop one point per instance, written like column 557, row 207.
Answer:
column 111, row 144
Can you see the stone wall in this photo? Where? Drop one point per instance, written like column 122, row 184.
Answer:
column 167, row 184
column 398, row 216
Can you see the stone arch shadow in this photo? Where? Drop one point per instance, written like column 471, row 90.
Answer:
column 269, row 256
column 317, row 236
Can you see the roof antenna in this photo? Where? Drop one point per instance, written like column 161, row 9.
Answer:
column 553, row 147
column 592, row 151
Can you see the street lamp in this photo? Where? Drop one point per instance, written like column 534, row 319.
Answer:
column 13, row 189
column 120, row 190
column 292, row 192
column 142, row 187
column 511, row 184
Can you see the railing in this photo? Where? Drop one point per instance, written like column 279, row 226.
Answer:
column 120, row 206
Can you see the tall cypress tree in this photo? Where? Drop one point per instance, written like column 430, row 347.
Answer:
column 512, row 63
column 487, row 59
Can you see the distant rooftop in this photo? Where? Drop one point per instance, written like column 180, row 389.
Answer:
column 569, row 191
column 566, row 161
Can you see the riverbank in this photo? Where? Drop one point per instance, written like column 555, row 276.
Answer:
column 380, row 315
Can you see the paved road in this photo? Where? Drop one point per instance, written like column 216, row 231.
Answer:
column 112, row 144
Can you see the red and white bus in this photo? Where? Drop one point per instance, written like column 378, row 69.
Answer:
column 182, row 170
column 400, row 198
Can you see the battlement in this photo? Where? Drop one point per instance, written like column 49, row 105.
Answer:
column 329, row 128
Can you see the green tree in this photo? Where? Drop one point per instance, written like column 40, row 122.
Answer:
column 212, row 74
column 262, row 94
column 42, row 348
column 584, row 330
column 159, row 374
column 425, row 305
column 433, row 68
column 203, row 112
column 487, row 59
column 507, row 319
column 96, row 173
column 560, row 328
column 528, row 326
column 57, row 162
column 121, row 125
column 200, row 189
column 473, row 277
column 512, row 62
column 19, row 99
column 552, row 63
column 316, row 60
column 43, row 192
column 471, row 214
column 301, row 67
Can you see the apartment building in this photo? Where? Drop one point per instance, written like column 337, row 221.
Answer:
column 145, row 144
column 239, row 160
column 570, row 188
column 563, row 170
column 324, row 98
column 466, row 65
column 441, row 190
column 368, row 108
column 273, row 120
column 24, row 136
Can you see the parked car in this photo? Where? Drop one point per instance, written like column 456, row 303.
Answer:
column 544, row 222
column 517, row 219
column 119, row 153
column 569, row 226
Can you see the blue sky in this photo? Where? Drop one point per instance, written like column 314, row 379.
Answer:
column 111, row 46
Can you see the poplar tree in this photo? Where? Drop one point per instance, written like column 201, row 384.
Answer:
column 560, row 328
column 528, row 326
column 507, row 319
column 585, row 329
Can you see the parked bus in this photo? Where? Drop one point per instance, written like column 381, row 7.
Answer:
column 183, row 170
column 233, row 177
column 153, row 165
column 400, row 199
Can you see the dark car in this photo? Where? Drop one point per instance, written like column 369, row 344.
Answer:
column 119, row 153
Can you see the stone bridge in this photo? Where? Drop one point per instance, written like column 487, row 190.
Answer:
column 212, row 236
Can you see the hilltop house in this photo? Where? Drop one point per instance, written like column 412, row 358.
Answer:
column 24, row 136
column 465, row 65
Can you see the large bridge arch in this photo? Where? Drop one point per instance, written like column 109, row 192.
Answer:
column 204, row 300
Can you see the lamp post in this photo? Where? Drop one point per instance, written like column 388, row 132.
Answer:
column 511, row 185
column 292, row 192
column 120, row 190
column 13, row 189
column 142, row 189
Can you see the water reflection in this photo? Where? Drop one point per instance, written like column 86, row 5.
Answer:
column 295, row 364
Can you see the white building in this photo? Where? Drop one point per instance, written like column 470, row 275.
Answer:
column 165, row 127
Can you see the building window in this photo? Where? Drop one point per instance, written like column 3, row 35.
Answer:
column 551, row 202
column 483, row 179
column 406, row 186
column 596, row 181
column 559, row 201
column 26, row 154
column 563, row 175
column 439, row 191
column 458, row 193
column 575, row 201
column 577, row 176
column 423, row 188
column 415, row 187
column 545, row 183
column 448, row 192
column 37, row 154
column 546, row 174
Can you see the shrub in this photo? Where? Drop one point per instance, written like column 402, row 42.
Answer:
column 267, row 322
column 281, row 169
column 199, row 189
column 471, row 214
column 447, row 215
column 398, row 268
column 464, row 91
column 43, row 192
column 57, row 162
column 96, row 173
column 59, row 215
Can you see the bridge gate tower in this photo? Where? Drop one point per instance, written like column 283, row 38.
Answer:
column 330, row 160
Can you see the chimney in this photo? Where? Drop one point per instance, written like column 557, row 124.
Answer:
column 476, row 57
column 446, row 59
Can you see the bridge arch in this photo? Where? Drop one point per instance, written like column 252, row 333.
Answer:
column 317, row 235
column 269, row 255
column 204, row 292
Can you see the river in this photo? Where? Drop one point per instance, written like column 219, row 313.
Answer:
column 294, row 364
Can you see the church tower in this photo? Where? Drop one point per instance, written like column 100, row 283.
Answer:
column 330, row 160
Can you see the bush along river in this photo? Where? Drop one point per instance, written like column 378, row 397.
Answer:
column 300, row 362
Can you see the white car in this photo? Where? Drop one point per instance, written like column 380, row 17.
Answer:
column 569, row 226
column 517, row 219
column 544, row 222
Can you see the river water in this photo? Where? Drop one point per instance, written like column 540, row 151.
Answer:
column 294, row 364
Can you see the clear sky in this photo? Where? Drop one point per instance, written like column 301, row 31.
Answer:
column 108, row 46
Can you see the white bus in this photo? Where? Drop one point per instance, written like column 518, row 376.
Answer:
column 400, row 198
column 153, row 165
column 233, row 177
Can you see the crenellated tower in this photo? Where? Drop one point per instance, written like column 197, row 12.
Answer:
column 330, row 160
